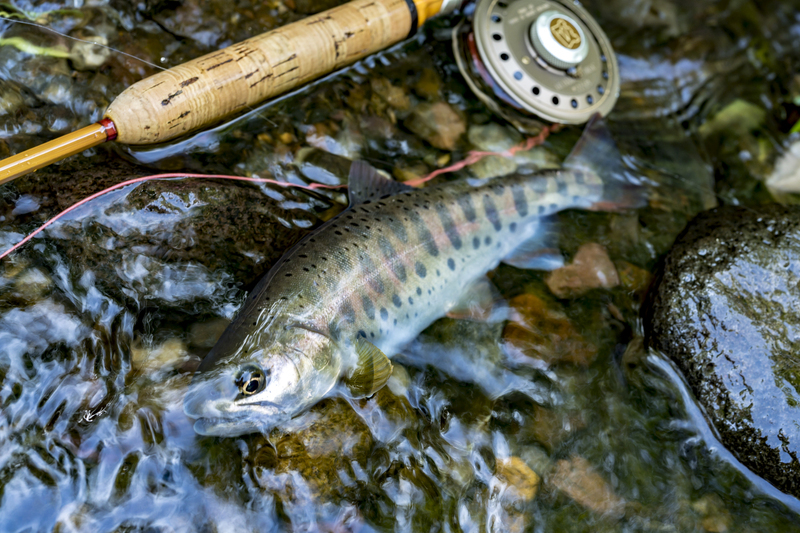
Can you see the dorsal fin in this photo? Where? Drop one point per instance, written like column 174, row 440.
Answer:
column 367, row 184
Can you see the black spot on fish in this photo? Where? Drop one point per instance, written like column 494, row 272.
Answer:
column 476, row 243
column 424, row 234
column 449, row 226
column 491, row 212
column 512, row 227
column 410, row 301
column 420, row 269
column 362, row 333
column 395, row 321
column 580, row 179
column 384, row 314
column 337, row 232
column 438, row 273
column 288, row 274
column 541, row 210
column 419, row 291
column 369, row 309
column 451, row 264
column 487, row 241
column 465, row 203
column 554, row 208
column 396, row 301
column 348, row 312
column 520, row 203
column 562, row 187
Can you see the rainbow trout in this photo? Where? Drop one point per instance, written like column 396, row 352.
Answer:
column 356, row 290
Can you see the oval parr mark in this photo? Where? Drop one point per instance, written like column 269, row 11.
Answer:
column 467, row 207
column 491, row 212
column 449, row 226
column 520, row 202
column 369, row 308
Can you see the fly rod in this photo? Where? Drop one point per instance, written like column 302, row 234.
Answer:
column 201, row 92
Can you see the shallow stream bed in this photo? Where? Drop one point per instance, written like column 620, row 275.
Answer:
column 554, row 420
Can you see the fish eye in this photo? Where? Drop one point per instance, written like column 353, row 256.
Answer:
column 251, row 379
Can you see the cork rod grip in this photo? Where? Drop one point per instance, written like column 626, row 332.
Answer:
column 205, row 90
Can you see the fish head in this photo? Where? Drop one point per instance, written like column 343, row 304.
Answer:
column 264, row 382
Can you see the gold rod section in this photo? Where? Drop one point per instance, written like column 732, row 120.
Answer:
column 56, row 150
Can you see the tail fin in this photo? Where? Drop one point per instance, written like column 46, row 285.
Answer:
column 596, row 153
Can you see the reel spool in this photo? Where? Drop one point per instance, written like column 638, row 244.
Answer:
column 534, row 60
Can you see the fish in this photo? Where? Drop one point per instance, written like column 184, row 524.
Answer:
column 331, row 313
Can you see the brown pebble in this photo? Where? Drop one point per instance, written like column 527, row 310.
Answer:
column 542, row 332
column 590, row 269
column 577, row 479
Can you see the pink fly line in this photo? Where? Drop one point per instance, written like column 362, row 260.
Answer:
column 472, row 158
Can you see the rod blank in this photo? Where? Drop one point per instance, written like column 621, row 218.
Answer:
column 55, row 150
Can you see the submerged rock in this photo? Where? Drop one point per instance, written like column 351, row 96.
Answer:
column 590, row 269
column 725, row 308
column 543, row 331
column 439, row 124
column 577, row 479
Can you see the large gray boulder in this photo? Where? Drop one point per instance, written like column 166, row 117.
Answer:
column 725, row 306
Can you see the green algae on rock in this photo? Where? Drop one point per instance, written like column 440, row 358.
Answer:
column 724, row 307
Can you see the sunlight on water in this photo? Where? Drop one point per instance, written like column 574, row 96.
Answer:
column 548, row 417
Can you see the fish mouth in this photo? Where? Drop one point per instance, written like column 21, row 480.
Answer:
column 226, row 427
column 220, row 418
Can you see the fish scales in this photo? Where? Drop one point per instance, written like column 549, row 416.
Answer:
column 390, row 268
column 353, row 292
column 381, row 271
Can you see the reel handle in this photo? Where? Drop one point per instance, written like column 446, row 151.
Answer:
column 203, row 91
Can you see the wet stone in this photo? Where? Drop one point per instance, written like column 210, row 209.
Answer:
column 551, row 427
column 439, row 124
column 493, row 166
column 715, row 518
column 724, row 307
column 324, row 452
column 493, row 137
column 393, row 95
column 522, row 482
column 590, row 269
column 578, row 479
column 542, row 331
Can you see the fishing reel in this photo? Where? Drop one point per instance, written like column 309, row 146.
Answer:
column 534, row 62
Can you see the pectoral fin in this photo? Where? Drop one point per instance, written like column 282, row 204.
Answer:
column 371, row 372
column 540, row 251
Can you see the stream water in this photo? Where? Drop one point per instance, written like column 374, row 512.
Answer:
column 556, row 420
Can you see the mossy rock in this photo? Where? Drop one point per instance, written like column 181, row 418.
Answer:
column 725, row 306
